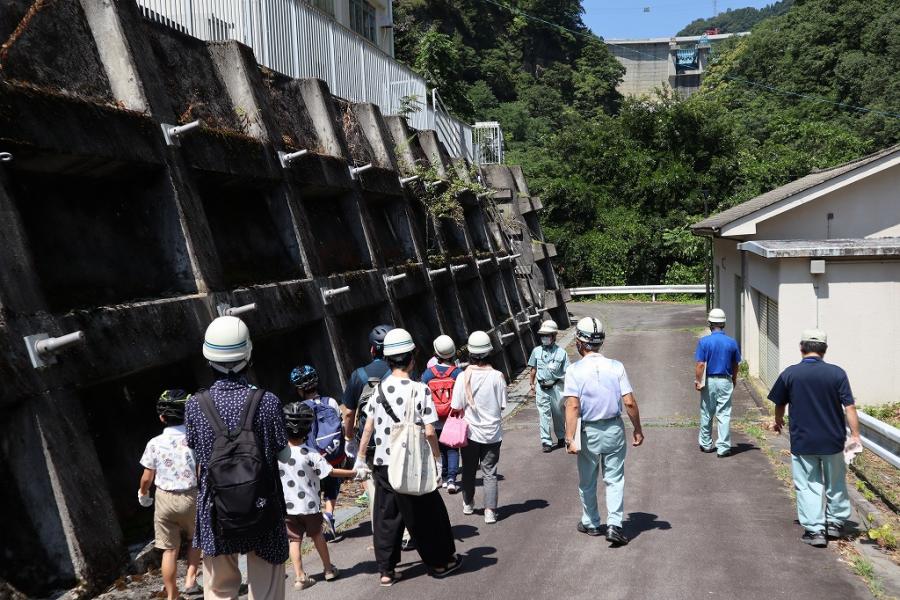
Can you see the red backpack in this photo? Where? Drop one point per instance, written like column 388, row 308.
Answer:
column 441, row 386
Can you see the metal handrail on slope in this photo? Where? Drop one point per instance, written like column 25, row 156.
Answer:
column 880, row 438
column 638, row 289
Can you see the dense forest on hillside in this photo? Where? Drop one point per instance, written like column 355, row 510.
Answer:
column 738, row 19
column 622, row 178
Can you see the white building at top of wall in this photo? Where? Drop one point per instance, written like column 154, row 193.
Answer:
column 822, row 251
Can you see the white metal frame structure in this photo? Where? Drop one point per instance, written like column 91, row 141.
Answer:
column 488, row 142
column 293, row 38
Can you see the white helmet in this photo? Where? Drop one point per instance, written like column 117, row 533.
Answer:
column 398, row 341
column 227, row 344
column 717, row 315
column 444, row 346
column 590, row 331
column 548, row 327
column 480, row 344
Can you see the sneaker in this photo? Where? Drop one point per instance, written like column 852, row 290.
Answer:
column 814, row 538
column 615, row 536
column 444, row 485
column 468, row 509
column 592, row 531
column 834, row 531
column 707, row 449
column 490, row 516
column 725, row 453
column 545, row 448
column 301, row 583
column 330, row 529
column 452, row 488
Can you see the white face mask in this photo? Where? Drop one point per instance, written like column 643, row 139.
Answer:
column 546, row 340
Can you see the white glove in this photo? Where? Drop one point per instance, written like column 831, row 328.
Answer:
column 360, row 464
column 351, row 447
column 439, row 468
column 362, row 473
column 145, row 501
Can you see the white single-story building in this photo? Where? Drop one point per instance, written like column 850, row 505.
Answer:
column 822, row 251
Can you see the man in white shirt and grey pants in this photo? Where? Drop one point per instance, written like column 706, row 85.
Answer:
column 595, row 391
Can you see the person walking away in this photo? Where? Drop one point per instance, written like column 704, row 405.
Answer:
column 480, row 394
column 302, row 476
column 718, row 356
column 169, row 464
column 326, row 435
column 360, row 386
column 818, row 394
column 548, row 364
column 440, row 379
column 237, row 433
column 426, row 515
column 596, row 388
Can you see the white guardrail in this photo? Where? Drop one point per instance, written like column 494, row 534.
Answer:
column 295, row 39
column 880, row 438
column 653, row 290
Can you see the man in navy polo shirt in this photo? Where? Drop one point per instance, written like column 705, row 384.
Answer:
column 719, row 356
column 816, row 392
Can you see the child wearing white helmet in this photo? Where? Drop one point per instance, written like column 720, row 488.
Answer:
column 548, row 364
column 480, row 394
column 440, row 377
column 425, row 516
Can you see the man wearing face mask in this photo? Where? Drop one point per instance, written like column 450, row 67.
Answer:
column 548, row 364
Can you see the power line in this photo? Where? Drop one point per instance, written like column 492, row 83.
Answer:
column 771, row 88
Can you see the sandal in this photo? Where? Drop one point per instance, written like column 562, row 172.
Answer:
column 301, row 583
column 332, row 574
column 444, row 571
column 392, row 578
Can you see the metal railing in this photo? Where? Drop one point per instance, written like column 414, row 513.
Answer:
column 295, row 39
column 653, row 290
column 488, row 142
column 880, row 438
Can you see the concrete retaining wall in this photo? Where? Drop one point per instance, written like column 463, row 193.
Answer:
column 108, row 230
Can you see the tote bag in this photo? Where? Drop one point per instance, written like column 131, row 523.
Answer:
column 411, row 470
column 455, row 433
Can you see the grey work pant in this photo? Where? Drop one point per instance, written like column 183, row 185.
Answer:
column 488, row 455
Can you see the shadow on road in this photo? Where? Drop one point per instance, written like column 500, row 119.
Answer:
column 742, row 447
column 523, row 507
column 639, row 522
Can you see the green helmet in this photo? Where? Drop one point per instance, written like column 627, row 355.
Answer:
column 171, row 404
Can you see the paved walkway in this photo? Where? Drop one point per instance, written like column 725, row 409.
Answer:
column 701, row 527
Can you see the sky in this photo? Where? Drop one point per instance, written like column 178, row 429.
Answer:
column 614, row 19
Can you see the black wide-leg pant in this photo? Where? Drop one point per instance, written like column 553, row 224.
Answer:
column 425, row 517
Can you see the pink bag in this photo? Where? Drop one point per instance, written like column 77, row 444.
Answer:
column 455, row 433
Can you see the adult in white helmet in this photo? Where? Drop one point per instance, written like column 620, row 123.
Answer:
column 480, row 394
column 715, row 375
column 425, row 516
column 440, row 377
column 548, row 364
column 259, row 532
column 596, row 389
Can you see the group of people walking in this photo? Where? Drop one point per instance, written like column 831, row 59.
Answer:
column 238, row 471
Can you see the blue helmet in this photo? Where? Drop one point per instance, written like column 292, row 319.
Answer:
column 304, row 377
column 376, row 336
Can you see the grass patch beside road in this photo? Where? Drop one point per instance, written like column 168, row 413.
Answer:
column 888, row 413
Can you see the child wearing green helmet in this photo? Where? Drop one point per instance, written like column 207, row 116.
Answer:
column 169, row 464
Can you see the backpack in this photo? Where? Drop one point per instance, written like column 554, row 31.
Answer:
column 367, row 392
column 241, row 485
column 326, row 434
column 441, row 386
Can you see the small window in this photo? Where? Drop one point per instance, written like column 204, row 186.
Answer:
column 362, row 19
column 326, row 6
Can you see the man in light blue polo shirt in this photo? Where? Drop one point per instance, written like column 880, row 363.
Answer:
column 548, row 364
column 718, row 355
column 596, row 389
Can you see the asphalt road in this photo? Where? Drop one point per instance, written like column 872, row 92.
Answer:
column 701, row 527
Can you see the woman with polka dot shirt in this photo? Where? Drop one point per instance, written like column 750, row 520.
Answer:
column 425, row 516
